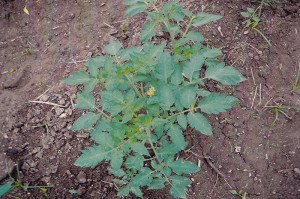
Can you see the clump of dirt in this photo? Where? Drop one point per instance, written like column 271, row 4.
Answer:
column 245, row 153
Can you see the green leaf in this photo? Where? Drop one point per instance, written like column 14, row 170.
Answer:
column 120, row 182
column 135, row 9
column 5, row 188
column 136, row 191
column 85, row 101
column 113, row 47
column 72, row 191
column 154, row 50
column 166, row 96
column 94, row 64
column 118, row 172
column 178, row 191
column 250, row 10
column 85, row 122
column 140, row 148
column 165, row 67
column 194, row 36
column 188, row 96
column 157, row 183
column 179, row 185
column 132, row 2
column 211, row 52
column 91, row 157
column 233, row 192
column 143, row 178
column 183, row 167
column 148, row 31
column 103, row 139
column 116, row 159
column 203, row 93
column 217, row 103
column 79, row 77
column 195, row 64
column 134, row 162
column 167, row 171
column 227, row 75
column 246, row 14
column 177, row 77
column 126, row 53
column 90, row 86
column 176, row 136
column 123, row 191
column 200, row 123
column 204, row 18
column 182, row 121
column 112, row 101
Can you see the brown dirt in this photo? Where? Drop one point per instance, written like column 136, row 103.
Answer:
column 43, row 48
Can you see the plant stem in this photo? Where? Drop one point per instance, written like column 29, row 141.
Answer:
column 105, row 115
column 142, row 89
column 265, row 38
column 154, row 150
column 134, row 86
column 166, row 22
column 35, row 187
column 188, row 26
column 182, row 112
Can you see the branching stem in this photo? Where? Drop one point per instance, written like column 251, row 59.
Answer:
column 134, row 86
column 182, row 112
column 188, row 26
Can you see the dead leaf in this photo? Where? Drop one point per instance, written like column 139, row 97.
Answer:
column 25, row 10
column 11, row 70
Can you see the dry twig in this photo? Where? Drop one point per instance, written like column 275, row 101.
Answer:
column 48, row 103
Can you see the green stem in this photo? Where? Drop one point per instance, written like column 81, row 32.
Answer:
column 182, row 112
column 105, row 115
column 188, row 26
column 142, row 89
column 134, row 86
column 166, row 22
column 154, row 150
column 265, row 38
column 38, row 187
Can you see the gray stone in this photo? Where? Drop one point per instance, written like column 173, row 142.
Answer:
column 13, row 80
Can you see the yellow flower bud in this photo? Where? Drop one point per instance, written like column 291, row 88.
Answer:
column 151, row 91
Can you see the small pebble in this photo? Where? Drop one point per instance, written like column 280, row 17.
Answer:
column 237, row 149
column 81, row 177
column 297, row 170
column 44, row 98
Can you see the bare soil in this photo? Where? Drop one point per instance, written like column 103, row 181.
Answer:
column 40, row 49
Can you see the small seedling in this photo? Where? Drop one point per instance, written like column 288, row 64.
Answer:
column 15, row 183
column 295, row 85
column 280, row 109
column 268, row 2
column 253, row 20
column 241, row 194
column 26, row 51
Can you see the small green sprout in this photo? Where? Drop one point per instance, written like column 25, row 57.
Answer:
column 280, row 109
column 295, row 85
column 241, row 194
column 15, row 183
column 253, row 20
